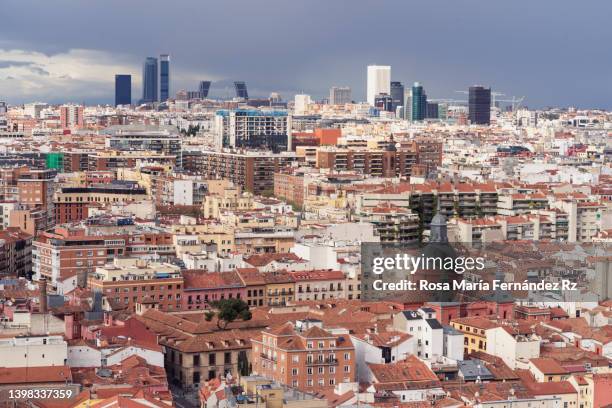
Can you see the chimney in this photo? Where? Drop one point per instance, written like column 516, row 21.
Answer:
column 42, row 286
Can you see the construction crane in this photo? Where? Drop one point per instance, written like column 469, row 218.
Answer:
column 516, row 102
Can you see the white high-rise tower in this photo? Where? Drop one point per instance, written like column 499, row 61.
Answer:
column 379, row 81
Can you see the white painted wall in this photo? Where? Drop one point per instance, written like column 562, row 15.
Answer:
column 84, row 356
column 38, row 351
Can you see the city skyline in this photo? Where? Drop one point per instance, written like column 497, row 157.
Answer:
column 516, row 50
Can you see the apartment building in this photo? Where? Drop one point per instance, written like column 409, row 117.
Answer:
column 319, row 285
column 161, row 140
column 228, row 198
column 289, row 186
column 252, row 128
column 15, row 253
column 378, row 163
column 392, row 224
column 113, row 160
column 474, row 332
column 280, row 288
column 511, row 203
column 129, row 281
column 512, row 345
column 255, row 285
column 72, row 203
column 252, row 170
column 76, row 250
column 304, row 356
column 258, row 232
column 202, row 287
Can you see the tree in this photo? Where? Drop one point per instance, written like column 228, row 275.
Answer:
column 228, row 310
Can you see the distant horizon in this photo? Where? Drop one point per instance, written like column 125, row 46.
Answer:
column 544, row 51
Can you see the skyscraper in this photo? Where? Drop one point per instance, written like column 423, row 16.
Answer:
column 479, row 101
column 241, row 90
column 339, row 95
column 123, row 89
column 300, row 104
column 149, row 80
column 397, row 94
column 432, row 110
column 419, row 102
column 204, row 87
column 164, row 77
column 384, row 102
column 379, row 81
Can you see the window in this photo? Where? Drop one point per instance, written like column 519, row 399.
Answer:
column 347, row 369
column 321, row 345
column 212, row 359
column 309, row 383
column 309, row 371
column 309, row 345
column 294, row 371
column 332, row 370
column 296, row 359
column 347, row 356
column 321, row 382
column 321, row 370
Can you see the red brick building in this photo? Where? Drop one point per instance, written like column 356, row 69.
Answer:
column 304, row 356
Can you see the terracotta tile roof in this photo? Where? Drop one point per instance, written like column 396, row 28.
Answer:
column 548, row 366
column 35, row 375
column 251, row 276
column 200, row 279
column 317, row 275
column 411, row 369
column 264, row 259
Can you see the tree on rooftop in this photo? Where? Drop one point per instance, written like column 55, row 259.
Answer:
column 227, row 311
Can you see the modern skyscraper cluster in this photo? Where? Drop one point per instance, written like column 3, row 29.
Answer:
column 389, row 95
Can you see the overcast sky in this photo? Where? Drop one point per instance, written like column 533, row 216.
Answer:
column 553, row 52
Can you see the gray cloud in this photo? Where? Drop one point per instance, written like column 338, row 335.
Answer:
column 547, row 50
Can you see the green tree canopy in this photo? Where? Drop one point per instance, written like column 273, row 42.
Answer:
column 227, row 311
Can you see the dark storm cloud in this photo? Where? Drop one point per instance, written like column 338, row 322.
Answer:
column 551, row 51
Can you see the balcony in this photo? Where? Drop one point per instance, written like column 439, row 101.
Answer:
column 266, row 357
column 326, row 361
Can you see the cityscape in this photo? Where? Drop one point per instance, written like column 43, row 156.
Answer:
column 214, row 241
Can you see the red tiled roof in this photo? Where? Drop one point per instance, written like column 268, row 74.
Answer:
column 35, row 375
